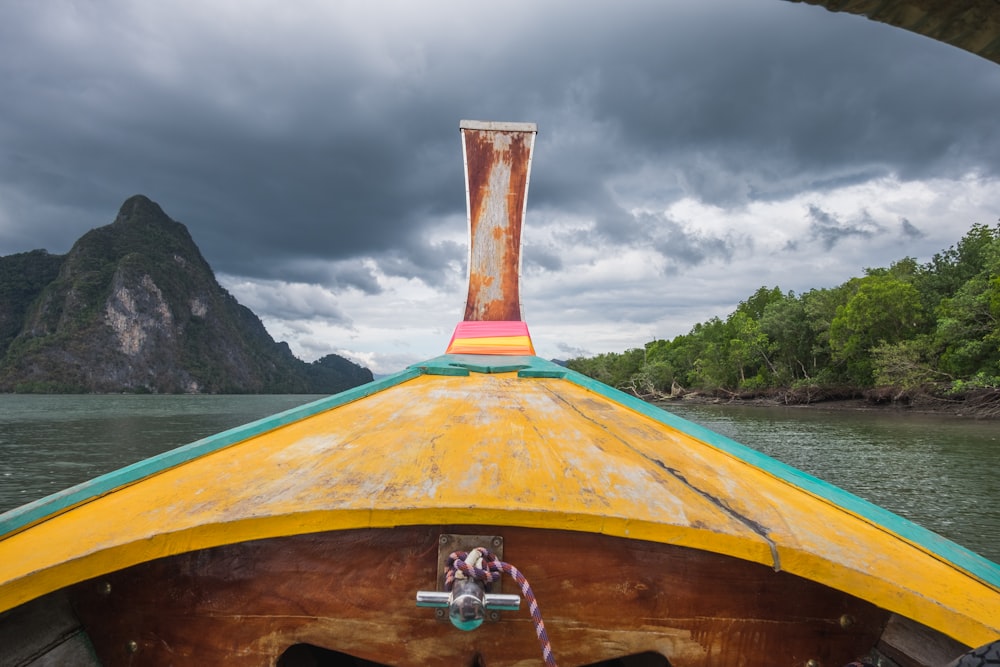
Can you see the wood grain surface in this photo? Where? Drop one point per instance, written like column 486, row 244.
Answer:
column 353, row 592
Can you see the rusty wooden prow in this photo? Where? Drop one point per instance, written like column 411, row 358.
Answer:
column 497, row 162
column 497, row 166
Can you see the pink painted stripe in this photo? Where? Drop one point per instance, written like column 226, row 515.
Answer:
column 485, row 329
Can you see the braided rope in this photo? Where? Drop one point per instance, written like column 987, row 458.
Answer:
column 482, row 565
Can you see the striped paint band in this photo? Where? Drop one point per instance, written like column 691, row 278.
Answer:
column 491, row 337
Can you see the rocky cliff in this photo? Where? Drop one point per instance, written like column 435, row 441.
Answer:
column 135, row 307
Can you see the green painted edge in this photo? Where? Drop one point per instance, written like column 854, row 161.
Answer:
column 453, row 371
column 38, row 510
column 542, row 373
column 448, row 364
column 979, row 567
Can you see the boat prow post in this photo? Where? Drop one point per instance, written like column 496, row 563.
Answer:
column 497, row 158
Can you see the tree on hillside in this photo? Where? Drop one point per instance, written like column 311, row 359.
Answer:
column 786, row 324
column 713, row 367
column 944, row 275
column 883, row 310
column 820, row 306
column 751, row 348
column 670, row 362
column 611, row 368
column 968, row 323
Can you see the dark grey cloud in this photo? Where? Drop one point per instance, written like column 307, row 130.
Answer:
column 434, row 263
column 542, row 258
column 683, row 248
column 337, row 275
column 829, row 230
column 771, row 100
column 572, row 351
column 292, row 303
column 268, row 146
column 910, row 230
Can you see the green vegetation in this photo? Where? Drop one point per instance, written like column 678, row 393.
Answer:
column 22, row 278
column 910, row 330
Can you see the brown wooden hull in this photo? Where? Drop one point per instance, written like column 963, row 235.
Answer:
column 353, row 592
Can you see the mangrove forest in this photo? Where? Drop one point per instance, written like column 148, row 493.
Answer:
column 909, row 331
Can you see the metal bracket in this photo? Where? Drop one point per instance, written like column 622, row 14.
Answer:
column 494, row 600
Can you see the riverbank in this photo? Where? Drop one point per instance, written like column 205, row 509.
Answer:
column 979, row 404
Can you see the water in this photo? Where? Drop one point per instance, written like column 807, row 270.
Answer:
column 937, row 471
column 48, row 443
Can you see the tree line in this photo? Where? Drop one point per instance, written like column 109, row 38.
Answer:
column 893, row 333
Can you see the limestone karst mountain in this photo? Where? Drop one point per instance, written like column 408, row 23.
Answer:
column 135, row 307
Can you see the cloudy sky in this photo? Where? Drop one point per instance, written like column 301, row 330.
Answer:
column 688, row 153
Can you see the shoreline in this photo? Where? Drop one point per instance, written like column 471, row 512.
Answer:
column 984, row 407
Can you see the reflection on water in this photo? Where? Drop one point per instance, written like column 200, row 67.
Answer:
column 938, row 472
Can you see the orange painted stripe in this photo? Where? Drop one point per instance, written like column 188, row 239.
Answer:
column 520, row 345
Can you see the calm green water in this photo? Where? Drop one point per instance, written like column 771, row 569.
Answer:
column 48, row 443
column 938, row 472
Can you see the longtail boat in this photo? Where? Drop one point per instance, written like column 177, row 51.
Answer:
column 486, row 507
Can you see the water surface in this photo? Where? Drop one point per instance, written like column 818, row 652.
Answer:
column 50, row 442
column 938, row 471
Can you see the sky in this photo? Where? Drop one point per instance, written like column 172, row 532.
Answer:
column 687, row 154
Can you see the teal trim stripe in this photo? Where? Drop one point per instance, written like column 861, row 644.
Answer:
column 463, row 364
column 56, row 503
column 983, row 569
column 542, row 373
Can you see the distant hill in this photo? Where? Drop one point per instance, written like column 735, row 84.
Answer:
column 134, row 307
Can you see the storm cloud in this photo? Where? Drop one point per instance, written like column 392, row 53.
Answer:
column 688, row 153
